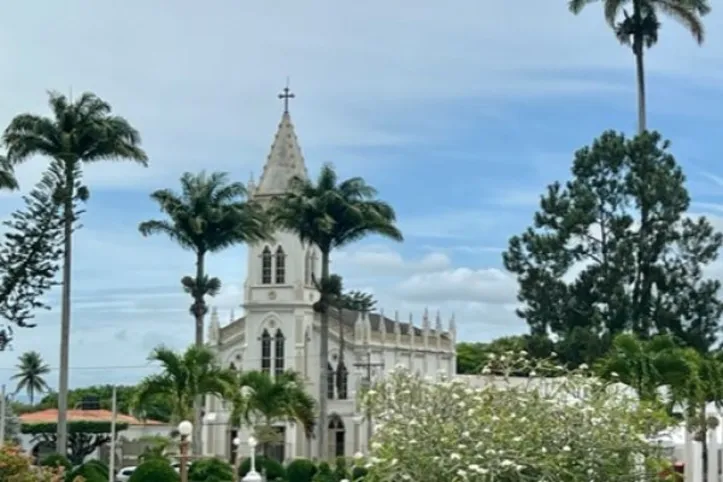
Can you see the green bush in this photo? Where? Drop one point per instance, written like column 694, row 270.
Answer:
column 272, row 468
column 300, row 470
column 98, row 465
column 210, row 470
column 358, row 473
column 154, row 470
column 89, row 472
column 56, row 460
column 341, row 471
column 324, row 474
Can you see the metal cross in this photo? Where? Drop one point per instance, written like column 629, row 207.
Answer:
column 286, row 95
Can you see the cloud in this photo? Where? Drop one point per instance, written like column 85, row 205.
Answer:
column 488, row 285
column 381, row 260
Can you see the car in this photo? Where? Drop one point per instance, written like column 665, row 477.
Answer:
column 124, row 474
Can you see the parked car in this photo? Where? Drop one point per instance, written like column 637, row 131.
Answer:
column 124, row 474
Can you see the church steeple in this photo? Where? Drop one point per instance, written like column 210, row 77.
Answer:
column 285, row 159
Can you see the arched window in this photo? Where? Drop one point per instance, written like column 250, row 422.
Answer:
column 278, row 352
column 232, row 366
column 330, row 382
column 342, row 381
column 265, row 352
column 266, row 266
column 312, row 265
column 337, row 436
column 280, row 266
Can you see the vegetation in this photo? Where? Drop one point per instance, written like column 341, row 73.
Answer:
column 620, row 222
column 330, row 214
column 211, row 470
column 270, row 467
column 639, row 29
column 31, row 369
column 300, row 470
column 154, row 470
column 29, row 254
column 79, row 132
column 184, row 377
column 209, row 215
column 263, row 400
column 15, row 466
column 84, row 437
column 55, row 461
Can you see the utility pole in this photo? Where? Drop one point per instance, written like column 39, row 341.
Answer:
column 369, row 366
column 111, row 461
column 3, row 410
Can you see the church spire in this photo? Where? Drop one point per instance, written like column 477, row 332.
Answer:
column 285, row 159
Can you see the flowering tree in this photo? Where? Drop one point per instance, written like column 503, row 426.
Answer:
column 16, row 467
column 568, row 428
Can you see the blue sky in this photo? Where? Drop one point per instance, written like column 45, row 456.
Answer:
column 458, row 118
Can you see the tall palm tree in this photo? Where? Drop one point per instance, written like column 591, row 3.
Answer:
column 209, row 215
column 639, row 29
column 7, row 176
column 80, row 131
column 184, row 377
column 31, row 369
column 331, row 214
column 264, row 400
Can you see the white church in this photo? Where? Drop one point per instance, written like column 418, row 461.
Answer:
column 280, row 331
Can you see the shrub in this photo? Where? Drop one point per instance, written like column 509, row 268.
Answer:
column 154, row 470
column 210, row 470
column 17, row 467
column 56, row 460
column 99, row 466
column 89, row 472
column 300, row 470
column 358, row 473
column 569, row 428
column 341, row 471
column 324, row 474
column 272, row 468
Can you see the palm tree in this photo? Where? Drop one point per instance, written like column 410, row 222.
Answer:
column 31, row 369
column 7, row 176
column 353, row 301
column 331, row 214
column 79, row 132
column 640, row 26
column 184, row 378
column 264, row 400
column 209, row 215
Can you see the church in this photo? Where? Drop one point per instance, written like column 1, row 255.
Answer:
column 280, row 331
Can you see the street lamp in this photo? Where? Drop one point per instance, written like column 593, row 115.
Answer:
column 252, row 476
column 237, row 456
column 185, row 428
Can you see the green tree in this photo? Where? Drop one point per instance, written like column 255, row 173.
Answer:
column 264, row 400
column 30, row 255
column 639, row 29
column 210, row 214
column 614, row 250
column 184, row 377
column 78, row 132
column 31, row 369
column 331, row 214
column 7, row 176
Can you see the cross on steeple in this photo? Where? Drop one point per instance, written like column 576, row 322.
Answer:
column 286, row 95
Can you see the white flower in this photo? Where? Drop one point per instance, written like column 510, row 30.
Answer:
column 455, row 456
column 358, row 455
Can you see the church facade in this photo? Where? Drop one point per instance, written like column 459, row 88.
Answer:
column 280, row 331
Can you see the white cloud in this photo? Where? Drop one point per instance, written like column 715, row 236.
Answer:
column 382, row 260
column 488, row 285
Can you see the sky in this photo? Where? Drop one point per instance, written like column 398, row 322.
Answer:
column 460, row 116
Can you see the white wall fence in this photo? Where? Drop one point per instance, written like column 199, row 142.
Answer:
column 692, row 457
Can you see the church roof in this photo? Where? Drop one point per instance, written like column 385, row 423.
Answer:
column 284, row 161
column 350, row 317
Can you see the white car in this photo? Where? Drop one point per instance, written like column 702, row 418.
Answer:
column 124, row 474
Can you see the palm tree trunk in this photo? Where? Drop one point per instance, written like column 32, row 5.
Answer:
column 638, row 50
column 31, row 392
column 323, row 363
column 62, row 439
column 199, row 311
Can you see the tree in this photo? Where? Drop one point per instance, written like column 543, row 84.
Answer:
column 614, row 250
column 449, row 430
column 264, row 400
column 640, row 27
column 30, row 254
column 331, row 214
column 84, row 436
column 7, row 176
column 31, row 369
column 12, row 423
column 209, row 215
column 79, row 132
column 184, row 377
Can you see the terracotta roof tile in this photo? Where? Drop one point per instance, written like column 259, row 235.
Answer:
column 51, row 416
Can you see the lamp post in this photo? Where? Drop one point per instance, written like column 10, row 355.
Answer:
column 252, row 476
column 185, row 428
column 237, row 456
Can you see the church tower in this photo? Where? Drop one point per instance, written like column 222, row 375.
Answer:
column 279, row 293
